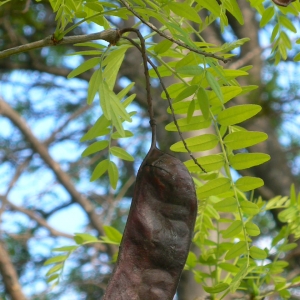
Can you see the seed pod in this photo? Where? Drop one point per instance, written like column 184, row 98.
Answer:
column 158, row 231
column 283, row 2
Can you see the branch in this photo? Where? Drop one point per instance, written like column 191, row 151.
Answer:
column 110, row 35
column 168, row 37
column 9, row 275
column 31, row 214
column 61, row 176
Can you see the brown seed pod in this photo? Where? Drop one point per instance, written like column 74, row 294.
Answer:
column 158, row 232
column 283, row 2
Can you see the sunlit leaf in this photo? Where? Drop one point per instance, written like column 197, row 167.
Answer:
column 214, row 187
column 112, row 233
column 218, row 288
column 257, row 253
column 242, row 161
column 239, row 140
column 252, row 229
column 195, row 123
column 226, row 205
column 248, row 183
column 87, row 65
column 184, row 10
column 237, row 114
column 121, row 153
column 199, row 143
column 249, row 208
column 209, row 163
column 236, row 250
column 233, row 230
column 100, row 169
column 95, row 147
column 113, row 174
column 55, row 259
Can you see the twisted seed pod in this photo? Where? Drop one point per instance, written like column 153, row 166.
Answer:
column 283, row 2
column 158, row 231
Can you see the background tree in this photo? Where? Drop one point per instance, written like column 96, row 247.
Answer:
column 45, row 182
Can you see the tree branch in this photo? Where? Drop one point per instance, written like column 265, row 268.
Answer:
column 31, row 214
column 62, row 177
column 110, row 35
column 9, row 275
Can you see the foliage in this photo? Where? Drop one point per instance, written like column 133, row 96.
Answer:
column 201, row 98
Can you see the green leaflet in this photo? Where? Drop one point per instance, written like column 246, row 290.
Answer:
column 234, row 9
column 110, row 103
column 228, row 267
column 174, row 90
column 195, row 123
column 65, row 249
column 237, row 114
column 95, row 147
column 56, row 259
column 228, row 92
column 112, row 234
column 190, row 70
column 162, row 46
column 182, row 107
column 212, row 5
column 214, row 187
column 249, row 208
column 121, row 153
column 242, row 161
column 248, row 183
column 54, row 269
column 267, row 16
column 214, row 85
column 257, row 253
column 210, row 163
column 236, row 250
column 218, row 288
column 188, row 91
column 100, row 169
column 233, row 230
column 87, row 65
column 81, row 238
column 202, row 143
column 203, row 102
column 98, row 129
column 240, row 140
column 113, row 174
column 226, row 205
column 252, row 229
column 112, row 64
column 93, row 86
column 184, row 10
column 116, row 135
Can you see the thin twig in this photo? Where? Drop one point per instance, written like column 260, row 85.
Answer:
column 111, row 35
column 34, row 216
column 169, row 101
column 168, row 37
column 147, row 77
